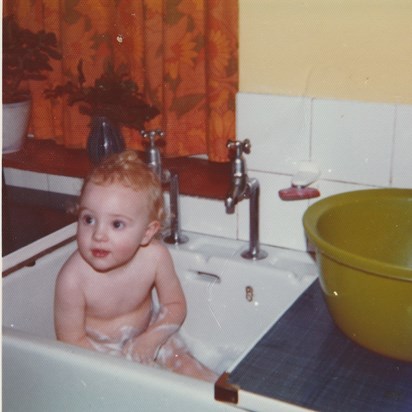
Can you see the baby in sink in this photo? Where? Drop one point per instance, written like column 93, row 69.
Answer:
column 103, row 295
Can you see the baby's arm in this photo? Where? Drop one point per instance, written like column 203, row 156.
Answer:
column 172, row 313
column 69, row 307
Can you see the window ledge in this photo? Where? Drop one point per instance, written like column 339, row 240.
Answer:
column 197, row 177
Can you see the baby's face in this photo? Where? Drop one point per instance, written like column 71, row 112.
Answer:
column 113, row 224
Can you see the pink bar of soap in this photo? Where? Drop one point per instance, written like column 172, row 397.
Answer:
column 298, row 193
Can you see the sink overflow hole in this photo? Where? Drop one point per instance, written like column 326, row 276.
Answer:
column 249, row 293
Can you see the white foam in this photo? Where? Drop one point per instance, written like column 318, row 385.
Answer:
column 168, row 327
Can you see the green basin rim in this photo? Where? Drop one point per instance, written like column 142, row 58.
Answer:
column 316, row 211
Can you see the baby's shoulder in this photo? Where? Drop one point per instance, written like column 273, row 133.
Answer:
column 73, row 266
column 157, row 247
column 75, row 259
column 157, row 251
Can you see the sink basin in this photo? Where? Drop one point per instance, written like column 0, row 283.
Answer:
column 231, row 302
column 363, row 242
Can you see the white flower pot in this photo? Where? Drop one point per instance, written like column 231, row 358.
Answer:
column 16, row 118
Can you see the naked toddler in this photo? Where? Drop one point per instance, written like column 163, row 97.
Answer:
column 103, row 296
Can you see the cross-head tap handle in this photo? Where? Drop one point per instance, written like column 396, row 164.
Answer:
column 239, row 146
column 152, row 135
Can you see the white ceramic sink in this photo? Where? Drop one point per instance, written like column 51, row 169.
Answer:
column 231, row 303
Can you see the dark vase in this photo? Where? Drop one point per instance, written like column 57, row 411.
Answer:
column 104, row 139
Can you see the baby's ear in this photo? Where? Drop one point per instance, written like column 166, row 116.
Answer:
column 152, row 228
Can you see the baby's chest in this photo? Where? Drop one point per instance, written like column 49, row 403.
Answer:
column 114, row 298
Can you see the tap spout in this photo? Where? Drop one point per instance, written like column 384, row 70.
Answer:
column 236, row 193
column 240, row 179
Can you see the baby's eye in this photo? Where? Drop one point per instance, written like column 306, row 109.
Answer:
column 118, row 224
column 88, row 219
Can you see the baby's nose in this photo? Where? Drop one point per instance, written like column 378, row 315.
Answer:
column 100, row 233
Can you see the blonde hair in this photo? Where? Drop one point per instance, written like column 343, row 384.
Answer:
column 127, row 169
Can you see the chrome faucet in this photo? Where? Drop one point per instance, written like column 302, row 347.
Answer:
column 154, row 160
column 243, row 187
column 239, row 175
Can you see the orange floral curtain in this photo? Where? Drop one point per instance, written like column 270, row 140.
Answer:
column 183, row 54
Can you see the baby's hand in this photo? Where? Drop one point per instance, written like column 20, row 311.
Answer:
column 141, row 349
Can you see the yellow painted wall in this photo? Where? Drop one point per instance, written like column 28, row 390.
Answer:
column 344, row 49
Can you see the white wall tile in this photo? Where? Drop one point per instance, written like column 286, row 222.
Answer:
column 280, row 221
column 402, row 157
column 64, row 184
column 207, row 216
column 27, row 179
column 330, row 188
column 278, row 128
column 352, row 141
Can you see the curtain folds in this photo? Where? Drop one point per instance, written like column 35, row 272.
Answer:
column 183, row 54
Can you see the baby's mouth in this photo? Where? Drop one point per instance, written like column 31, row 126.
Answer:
column 100, row 253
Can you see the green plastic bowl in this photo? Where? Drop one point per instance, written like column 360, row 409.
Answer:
column 363, row 243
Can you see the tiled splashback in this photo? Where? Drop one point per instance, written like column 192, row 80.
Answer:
column 356, row 145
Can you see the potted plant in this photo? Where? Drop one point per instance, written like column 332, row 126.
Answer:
column 111, row 102
column 26, row 56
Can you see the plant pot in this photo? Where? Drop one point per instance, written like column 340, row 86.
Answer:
column 16, row 118
column 104, row 139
